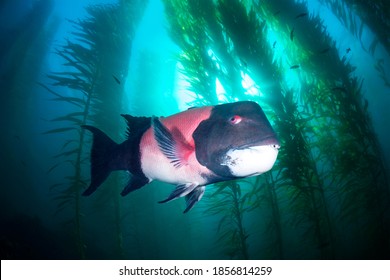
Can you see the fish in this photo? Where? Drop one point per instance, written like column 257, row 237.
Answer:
column 274, row 44
column 301, row 15
column 343, row 89
column 324, row 51
column 292, row 34
column 347, row 50
column 190, row 149
column 116, row 80
column 296, row 66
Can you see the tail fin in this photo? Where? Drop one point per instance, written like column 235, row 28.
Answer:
column 101, row 154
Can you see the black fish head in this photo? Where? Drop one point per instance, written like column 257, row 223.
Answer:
column 237, row 140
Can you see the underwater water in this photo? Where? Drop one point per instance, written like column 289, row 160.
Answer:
column 320, row 69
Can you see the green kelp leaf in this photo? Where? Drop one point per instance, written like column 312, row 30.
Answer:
column 74, row 74
column 67, row 118
column 74, row 100
column 79, row 51
column 68, row 143
column 220, row 188
column 373, row 45
column 76, row 114
column 49, row 90
column 221, row 222
column 76, row 180
column 64, row 196
column 62, row 80
column 54, row 186
column 361, row 30
column 53, row 167
column 60, row 97
column 65, row 202
column 80, row 67
column 72, row 162
column 352, row 23
column 59, row 130
column 243, row 200
column 217, row 208
column 225, row 235
column 80, row 39
column 60, row 163
column 67, row 153
column 63, row 205
column 76, row 188
column 237, row 188
column 379, row 65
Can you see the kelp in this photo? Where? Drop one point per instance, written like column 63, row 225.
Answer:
column 72, row 151
column 95, row 98
column 206, row 34
column 358, row 16
column 382, row 72
column 188, row 31
column 218, row 61
column 267, row 196
column 28, row 36
column 328, row 143
column 231, row 228
column 297, row 166
column 373, row 14
column 301, row 181
column 334, row 96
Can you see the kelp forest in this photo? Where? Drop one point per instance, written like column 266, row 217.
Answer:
column 318, row 68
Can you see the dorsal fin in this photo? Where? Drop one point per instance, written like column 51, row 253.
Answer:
column 136, row 125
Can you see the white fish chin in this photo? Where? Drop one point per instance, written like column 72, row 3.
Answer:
column 251, row 161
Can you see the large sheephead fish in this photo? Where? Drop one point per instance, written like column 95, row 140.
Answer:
column 191, row 149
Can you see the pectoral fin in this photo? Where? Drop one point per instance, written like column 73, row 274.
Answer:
column 193, row 197
column 179, row 191
column 172, row 144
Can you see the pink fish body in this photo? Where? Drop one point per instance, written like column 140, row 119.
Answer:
column 190, row 169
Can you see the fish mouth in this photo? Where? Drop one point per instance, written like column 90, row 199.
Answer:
column 270, row 140
column 252, row 160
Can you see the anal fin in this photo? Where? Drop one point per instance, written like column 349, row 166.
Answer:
column 135, row 183
column 98, row 177
column 179, row 191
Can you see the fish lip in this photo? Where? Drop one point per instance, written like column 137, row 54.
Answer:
column 270, row 140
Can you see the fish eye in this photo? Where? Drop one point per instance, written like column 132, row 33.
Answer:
column 235, row 119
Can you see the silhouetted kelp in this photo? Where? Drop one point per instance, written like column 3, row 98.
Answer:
column 228, row 202
column 342, row 118
column 328, row 144
column 101, row 46
column 374, row 14
column 29, row 35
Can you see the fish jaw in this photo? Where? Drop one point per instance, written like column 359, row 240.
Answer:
column 251, row 161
